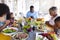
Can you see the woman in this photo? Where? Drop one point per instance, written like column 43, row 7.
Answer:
column 53, row 14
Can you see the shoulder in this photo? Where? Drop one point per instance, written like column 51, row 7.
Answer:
column 56, row 17
column 35, row 11
column 28, row 12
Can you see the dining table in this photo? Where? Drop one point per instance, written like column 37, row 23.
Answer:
column 31, row 35
column 5, row 37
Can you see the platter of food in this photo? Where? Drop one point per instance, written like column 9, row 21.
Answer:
column 20, row 36
column 46, row 36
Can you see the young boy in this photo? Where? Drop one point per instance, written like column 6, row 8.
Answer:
column 57, row 25
column 4, row 10
column 53, row 14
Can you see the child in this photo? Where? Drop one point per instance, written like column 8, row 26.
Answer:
column 53, row 14
column 11, row 19
column 4, row 10
column 57, row 25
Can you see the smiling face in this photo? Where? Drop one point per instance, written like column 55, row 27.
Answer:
column 32, row 9
column 57, row 24
column 53, row 12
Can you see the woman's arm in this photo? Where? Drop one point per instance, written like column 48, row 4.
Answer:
column 47, row 23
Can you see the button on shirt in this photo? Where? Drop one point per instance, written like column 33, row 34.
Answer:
column 34, row 14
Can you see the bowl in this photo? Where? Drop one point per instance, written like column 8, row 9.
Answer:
column 10, row 31
column 20, row 35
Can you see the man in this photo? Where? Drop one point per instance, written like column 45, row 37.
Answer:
column 53, row 14
column 32, row 13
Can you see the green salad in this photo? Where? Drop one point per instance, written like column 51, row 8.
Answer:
column 9, row 31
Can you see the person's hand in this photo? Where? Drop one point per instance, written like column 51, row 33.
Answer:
column 7, row 22
column 47, row 22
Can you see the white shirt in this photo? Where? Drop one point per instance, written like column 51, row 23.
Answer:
column 51, row 21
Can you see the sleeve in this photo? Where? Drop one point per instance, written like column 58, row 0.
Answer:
column 36, row 15
column 27, row 15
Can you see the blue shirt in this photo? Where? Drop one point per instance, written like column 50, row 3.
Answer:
column 1, row 24
column 34, row 14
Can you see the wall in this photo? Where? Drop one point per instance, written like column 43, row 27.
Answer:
column 20, row 7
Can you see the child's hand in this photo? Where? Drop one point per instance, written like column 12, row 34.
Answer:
column 7, row 22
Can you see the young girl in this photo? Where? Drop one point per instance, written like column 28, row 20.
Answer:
column 4, row 10
column 57, row 26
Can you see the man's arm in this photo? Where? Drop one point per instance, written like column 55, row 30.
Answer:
column 36, row 15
